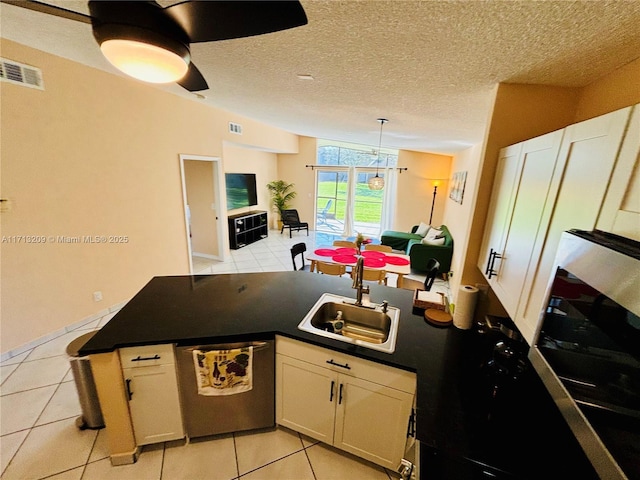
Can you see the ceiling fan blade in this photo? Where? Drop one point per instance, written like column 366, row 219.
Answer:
column 193, row 80
column 50, row 10
column 223, row 20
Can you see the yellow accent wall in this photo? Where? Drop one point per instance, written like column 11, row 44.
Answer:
column 97, row 155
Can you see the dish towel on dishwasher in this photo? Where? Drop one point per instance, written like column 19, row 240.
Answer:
column 223, row 372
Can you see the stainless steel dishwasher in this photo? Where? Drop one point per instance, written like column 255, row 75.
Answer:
column 211, row 415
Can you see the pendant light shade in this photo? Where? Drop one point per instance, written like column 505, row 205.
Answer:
column 377, row 182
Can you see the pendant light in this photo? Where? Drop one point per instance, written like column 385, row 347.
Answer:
column 377, row 182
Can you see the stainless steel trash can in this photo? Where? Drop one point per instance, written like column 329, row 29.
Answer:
column 81, row 368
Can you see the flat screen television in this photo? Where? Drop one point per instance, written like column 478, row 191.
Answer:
column 241, row 190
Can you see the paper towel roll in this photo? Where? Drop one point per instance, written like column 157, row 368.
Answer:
column 465, row 307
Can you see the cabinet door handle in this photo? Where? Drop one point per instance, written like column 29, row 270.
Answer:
column 488, row 269
column 333, row 384
column 144, row 359
column 411, row 427
column 492, row 272
column 346, row 365
column 129, row 392
column 340, row 396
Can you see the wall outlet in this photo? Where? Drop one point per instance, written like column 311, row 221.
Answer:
column 97, row 296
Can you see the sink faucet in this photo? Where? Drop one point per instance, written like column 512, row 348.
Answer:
column 357, row 283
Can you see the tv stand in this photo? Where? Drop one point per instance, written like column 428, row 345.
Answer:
column 247, row 228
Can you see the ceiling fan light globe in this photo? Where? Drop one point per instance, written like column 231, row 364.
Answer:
column 376, row 183
column 144, row 61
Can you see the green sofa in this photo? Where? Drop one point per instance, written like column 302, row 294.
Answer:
column 420, row 253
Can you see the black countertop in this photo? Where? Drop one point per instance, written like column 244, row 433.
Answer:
column 519, row 430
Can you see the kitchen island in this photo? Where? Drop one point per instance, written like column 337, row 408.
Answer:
column 462, row 430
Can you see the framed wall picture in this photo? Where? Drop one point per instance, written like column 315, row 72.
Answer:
column 458, row 182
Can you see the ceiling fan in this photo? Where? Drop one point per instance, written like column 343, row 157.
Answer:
column 151, row 43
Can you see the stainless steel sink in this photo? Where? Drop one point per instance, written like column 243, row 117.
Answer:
column 364, row 326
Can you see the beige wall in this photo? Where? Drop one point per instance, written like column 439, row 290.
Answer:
column 415, row 188
column 457, row 215
column 612, row 92
column 95, row 154
column 292, row 168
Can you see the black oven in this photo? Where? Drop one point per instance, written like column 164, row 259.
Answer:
column 587, row 348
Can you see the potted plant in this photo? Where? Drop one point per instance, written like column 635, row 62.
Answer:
column 281, row 195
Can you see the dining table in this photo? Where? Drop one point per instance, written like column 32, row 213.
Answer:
column 396, row 263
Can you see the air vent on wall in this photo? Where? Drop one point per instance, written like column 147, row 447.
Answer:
column 19, row 73
column 235, row 128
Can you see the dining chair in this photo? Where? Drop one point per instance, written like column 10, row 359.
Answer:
column 378, row 248
column 298, row 251
column 433, row 267
column 344, row 243
column 337, row 269
column 373, row 275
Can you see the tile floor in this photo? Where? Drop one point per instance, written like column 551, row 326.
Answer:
column 39, row 406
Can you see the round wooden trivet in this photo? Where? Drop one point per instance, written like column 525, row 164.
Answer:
column 438, row 317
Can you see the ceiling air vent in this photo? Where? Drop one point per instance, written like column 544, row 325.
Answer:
column 15, row 72
column 235, row 128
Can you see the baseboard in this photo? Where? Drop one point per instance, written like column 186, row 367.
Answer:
column 69, row 328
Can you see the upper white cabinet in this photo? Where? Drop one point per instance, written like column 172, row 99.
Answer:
column 561, row 182
column 524, row 201
column 621, row 209
column 353, row 404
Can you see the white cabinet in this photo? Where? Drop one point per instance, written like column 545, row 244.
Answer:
column 504, row 184
column 356, row 405
column 150, row 378
column 560, row 182
column 620, row 212
column 586, row 160
column 519, row 215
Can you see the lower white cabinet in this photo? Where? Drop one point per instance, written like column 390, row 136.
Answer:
column 356, row 405
column 152, row 388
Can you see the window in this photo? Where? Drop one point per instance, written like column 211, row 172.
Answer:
column 331, row 187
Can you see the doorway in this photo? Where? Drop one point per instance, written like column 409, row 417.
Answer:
column 202, row 206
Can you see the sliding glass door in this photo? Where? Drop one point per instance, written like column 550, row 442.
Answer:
column 332, row 202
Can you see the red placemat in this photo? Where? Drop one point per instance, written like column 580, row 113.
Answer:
column 374, row 262
column 396, row 260
column 373, row 254
column 346, row 251
column 345, row 258
column 325, row 252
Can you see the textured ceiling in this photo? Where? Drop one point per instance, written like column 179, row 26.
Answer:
column 427, row 66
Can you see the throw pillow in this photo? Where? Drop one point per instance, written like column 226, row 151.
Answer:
column 434, row 233
column 433, row 241
column 422, row 230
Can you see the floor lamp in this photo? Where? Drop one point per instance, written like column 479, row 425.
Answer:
column 433, row 202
